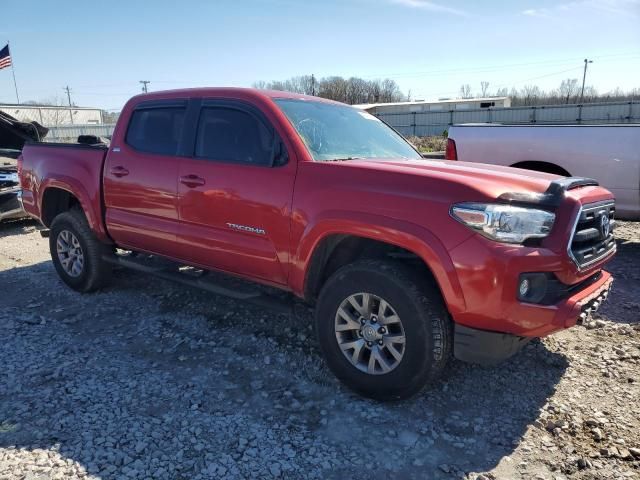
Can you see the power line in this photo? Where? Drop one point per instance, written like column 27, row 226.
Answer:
column 484, row 69
column 516, row 82
column 422, row 94
column 491, row 68
column 539, row 77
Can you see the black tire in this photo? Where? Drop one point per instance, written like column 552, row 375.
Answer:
column 95, row 272
column 424, row 318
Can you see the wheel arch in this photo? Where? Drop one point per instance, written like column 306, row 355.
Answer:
column 59, row 196
column 542, row 166
column 56, row 200
column 334, row 243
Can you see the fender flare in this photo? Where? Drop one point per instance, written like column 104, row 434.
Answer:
column 403, row 234
column 75, row 188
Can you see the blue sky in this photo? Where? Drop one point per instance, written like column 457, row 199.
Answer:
column 102, row 50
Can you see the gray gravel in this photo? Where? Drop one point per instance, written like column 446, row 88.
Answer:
column 148, row 379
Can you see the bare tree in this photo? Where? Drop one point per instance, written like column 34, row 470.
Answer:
column 484, row 89
column 260, row 84
column 590, row 94
column 110, row 118
column 333, row 88
column 356, row 90
column 530, row 94
column 465, row 91
column 54, row 117
column 568, row 88
column 353, row 90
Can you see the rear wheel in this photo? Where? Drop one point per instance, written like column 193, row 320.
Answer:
column 76, row 252
column 384, row 332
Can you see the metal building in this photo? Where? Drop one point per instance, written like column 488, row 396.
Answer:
column 427, row 123
column 443, row 105
column 54, row 116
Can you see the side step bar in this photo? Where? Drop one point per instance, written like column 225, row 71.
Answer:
column 201, row 279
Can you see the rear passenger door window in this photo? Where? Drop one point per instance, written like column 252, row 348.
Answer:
column 233, row 135
column 156, row 130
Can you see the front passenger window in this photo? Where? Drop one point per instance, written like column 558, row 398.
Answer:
column 231, row 135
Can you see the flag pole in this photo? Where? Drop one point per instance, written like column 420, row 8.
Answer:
column 13, row 72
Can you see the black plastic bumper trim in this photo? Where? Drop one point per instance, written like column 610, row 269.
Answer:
column 11, row 204
column 484, row 347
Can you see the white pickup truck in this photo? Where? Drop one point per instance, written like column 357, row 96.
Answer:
column 609, row 154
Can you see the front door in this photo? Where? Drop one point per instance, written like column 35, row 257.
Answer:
column 235, row 193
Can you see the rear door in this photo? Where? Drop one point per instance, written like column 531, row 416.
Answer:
column 140, row 178
column 235, row 192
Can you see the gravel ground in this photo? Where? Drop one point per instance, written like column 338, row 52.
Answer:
column 149, row 379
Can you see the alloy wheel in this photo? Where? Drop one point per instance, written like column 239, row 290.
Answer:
column 70, row 253
column 370, row 333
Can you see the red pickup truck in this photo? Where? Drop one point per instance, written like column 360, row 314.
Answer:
column 407, row 261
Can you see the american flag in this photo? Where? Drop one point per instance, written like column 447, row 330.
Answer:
column 5, row 57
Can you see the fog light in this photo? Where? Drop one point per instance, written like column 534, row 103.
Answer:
column 532, row 287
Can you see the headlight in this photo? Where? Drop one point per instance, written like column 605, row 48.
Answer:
column 504, row 223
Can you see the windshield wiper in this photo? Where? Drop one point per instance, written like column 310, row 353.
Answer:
column 344, row 159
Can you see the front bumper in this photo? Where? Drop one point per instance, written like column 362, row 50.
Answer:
column 588, row 300
column 489, row 272
column 489, row 348
column 11, row 204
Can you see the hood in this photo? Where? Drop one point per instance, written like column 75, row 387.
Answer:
column 14, row 133
column 488, row 180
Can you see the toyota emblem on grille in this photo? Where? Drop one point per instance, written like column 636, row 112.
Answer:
column 605, row 225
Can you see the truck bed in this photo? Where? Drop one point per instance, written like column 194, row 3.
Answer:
column 608, row 153
column 70, row 167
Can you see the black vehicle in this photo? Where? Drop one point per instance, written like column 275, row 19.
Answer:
column 13, row 135
column 10, row 194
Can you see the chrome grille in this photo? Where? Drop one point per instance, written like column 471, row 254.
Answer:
column 591, row 241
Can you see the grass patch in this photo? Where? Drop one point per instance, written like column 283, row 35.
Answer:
column 435, row 143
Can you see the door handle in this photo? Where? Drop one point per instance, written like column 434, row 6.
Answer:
column 119, row 171
column 192, row 181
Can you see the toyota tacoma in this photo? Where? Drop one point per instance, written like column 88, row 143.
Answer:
column 408, row 262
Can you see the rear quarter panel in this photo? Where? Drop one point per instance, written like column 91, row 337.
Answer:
column 608, row 153
column 76, row 169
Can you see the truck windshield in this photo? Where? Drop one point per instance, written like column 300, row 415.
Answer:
column 340, row 132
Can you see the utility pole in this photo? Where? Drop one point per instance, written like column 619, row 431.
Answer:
column 584, row 77
column 144, row 85
column 313, row 85
column 68, row 90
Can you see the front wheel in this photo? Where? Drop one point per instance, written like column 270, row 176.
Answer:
column 384, row 332
column 76, row 252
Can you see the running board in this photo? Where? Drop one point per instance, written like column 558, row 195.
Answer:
column 202, row 279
